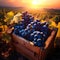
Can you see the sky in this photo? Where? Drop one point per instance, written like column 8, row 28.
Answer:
column 31, row 3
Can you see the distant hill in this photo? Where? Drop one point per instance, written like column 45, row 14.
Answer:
column 43, row 10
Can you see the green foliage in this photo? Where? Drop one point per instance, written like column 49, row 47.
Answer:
column 6, row 37
column 2, row 22
column 56, row 19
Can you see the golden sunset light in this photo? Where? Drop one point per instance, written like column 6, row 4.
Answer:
column 29, row 29
column 35, row 2
column 31, row 3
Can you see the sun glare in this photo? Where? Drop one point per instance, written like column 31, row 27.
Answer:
column 35, row 2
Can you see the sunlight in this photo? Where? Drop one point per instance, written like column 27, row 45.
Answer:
column 35, row 2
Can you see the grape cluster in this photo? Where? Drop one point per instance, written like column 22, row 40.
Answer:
column 37, row 38
column 27, row 18
column 31, row 30
column 18, row 27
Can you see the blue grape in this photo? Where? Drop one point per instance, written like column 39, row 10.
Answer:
column 39, row 43
column 16, row 31
column 31, row 37
column 35, row 36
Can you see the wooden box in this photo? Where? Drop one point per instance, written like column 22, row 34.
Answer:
column 33, row 52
